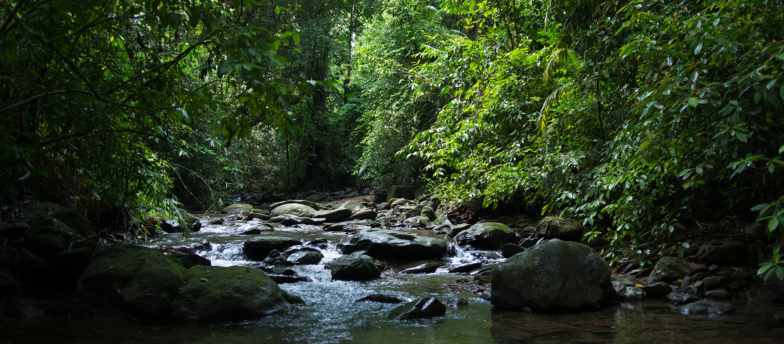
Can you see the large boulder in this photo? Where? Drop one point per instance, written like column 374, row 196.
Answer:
column 724, row 252
column 237, row 208
column 399, row 191
column 669, row 269
column 556, row 275
column 487, row 235
column 382, row 243
column 302, row 202
column 366, row 214
column 212, row 293
column 259, row 248
column 333, row 215
column 139, row 281
column 356, row 266
column 559, row 228
column 294, row 209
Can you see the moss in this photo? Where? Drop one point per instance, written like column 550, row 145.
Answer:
column 226, row 293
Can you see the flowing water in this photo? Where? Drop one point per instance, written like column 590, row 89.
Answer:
column 331, row 314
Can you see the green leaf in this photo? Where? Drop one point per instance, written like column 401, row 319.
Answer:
column 781, row 150
column 780, row 272
column 772, row 224
column 693, row 101
column 277, row 9
column 203, row 279
column 770, row 84
column 698, row 48
column 765, row 267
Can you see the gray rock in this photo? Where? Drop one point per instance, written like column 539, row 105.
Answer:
column 560, row 228
column 632, row 293
column 723, row 252
column 737, row 285
column 354, row 267
column 708, row 307
column 669, row 269
column 350, row 205
column 295, row 209
column 714, row 282
column 620, row 284
column 528, row 243
column 551, row 276
column 260, row 247
column 684, row 295
column 333, row 215
column 257, row 229
column 740, row 275
column 341, row 226
column 382, row 243
column 424, row 308
column 189, row 260
column 429, row 213
column 237, row 208
column 456, row 302
column 717, row 294
column 658, row 289
column 306, row 203
column 459, row 228
column 228, row 293
column 426, row 268
column 381, row 298
column 382, row 206
column 363, row 215
column 305, row 258
column 487, row 235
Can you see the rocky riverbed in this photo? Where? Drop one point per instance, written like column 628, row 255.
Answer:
column 369, row 272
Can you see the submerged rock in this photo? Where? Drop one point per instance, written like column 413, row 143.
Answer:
column 137, row 280
column 260, row 247
column 354, row 267
column 382, row 243
column 684, row 295
column 487, row 235
column 380, row 298
column 228, row 293
column 708, row 307
column 424, row 308
column 556, row 275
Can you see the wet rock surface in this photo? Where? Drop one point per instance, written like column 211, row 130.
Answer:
column 356, row 266
column 487, row 235
column 551, row 276
column 260, row 247
column 382, row 243
column 708, row 307
column 421, row 309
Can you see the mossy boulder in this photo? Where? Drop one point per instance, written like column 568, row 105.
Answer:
column 137, row 281
column 294, row 209
column 552, row 227
column 669, row 269
column 487, row 235
column 313, row 205
column 260, row 247
column 399, row 191
column 237, row 208
column 356, row 266
column 212, row 293
column 556, row 275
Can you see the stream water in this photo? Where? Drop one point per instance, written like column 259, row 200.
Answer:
column 331, row 315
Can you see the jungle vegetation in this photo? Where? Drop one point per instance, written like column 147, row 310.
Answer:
column 636, row 117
